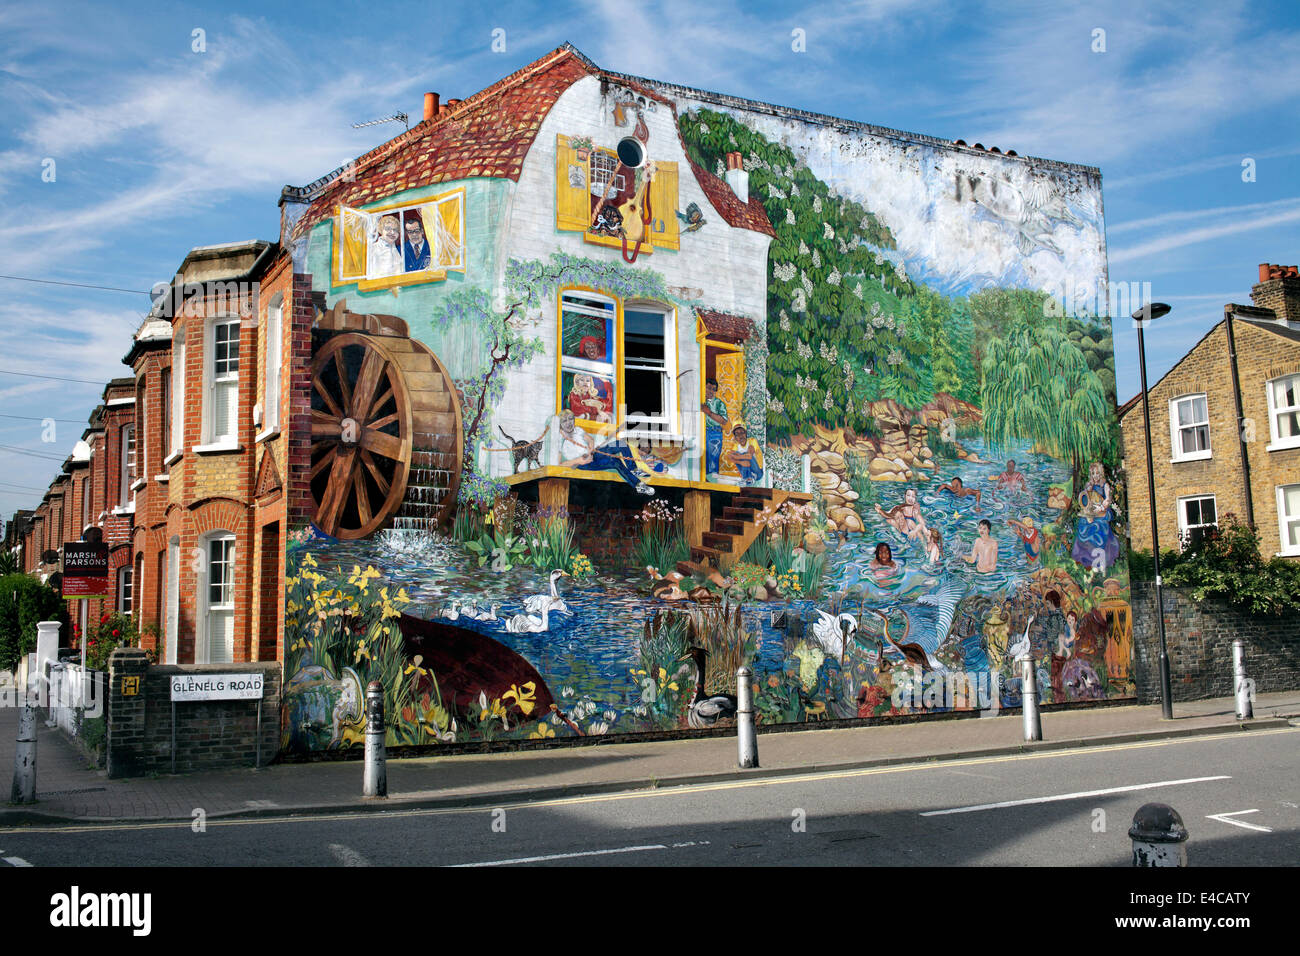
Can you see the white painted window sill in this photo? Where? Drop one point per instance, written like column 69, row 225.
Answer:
column 1206, row 456
column 162, row 479
column 217, row 448
column 173, row 458
column 138, row 484
column 1280, row 446
column 273, row 432
column 127, row 510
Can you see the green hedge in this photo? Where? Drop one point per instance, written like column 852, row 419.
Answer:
column 24, row 601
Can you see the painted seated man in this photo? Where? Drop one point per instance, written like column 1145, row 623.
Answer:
column 746, row 456
column 578, row 450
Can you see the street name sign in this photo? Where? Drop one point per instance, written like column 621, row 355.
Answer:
column 190, row 687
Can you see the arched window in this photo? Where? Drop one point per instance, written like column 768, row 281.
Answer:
column 217, row 600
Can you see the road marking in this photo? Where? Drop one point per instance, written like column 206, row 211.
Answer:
column 920, row 765
column 1070, row 796
column 16, row 861
column 572, row 856
column 347, row 856
column 1223, row 818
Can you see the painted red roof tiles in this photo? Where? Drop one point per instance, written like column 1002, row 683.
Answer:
column 726, row 325
column 487, row 134
column 750, row 215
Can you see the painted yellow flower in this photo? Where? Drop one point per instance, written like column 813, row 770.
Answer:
column 415, row 668
column 542, row 732
column 493, row 711
column 524, row 696
column 309, row 559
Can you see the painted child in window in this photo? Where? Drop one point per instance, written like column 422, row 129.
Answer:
column 589, row 400
column 746, row 456
column 384, row 257
column 613, row 456
column 715, row 420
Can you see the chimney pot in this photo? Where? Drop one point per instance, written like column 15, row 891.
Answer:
column 734, row 161
column 1264, row 270
column 430, row 105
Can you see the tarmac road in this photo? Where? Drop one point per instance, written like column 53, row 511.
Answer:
column 1062, row 808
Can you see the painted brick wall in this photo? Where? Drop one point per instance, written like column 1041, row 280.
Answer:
column 1199, row 638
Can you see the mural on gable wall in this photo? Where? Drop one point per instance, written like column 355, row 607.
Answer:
column 566, row 495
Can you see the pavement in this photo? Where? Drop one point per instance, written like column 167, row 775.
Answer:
column 70, row 790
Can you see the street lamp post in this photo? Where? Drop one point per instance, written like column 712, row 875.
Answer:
column 1150, row 311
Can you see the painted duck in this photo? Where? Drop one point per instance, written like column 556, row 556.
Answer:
column 538, row 602
column 475, row 614
column 706, row 710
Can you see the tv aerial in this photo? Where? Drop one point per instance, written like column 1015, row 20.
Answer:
column 395, row 118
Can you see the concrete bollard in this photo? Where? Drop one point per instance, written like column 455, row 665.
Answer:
column 1245, row 709
column 745, row 735
column 1029, row 699
column 375, row 779
column 24, row 788
column 1159, row 837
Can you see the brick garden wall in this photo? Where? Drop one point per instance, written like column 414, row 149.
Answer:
column 1199, row 638
column 209, row 735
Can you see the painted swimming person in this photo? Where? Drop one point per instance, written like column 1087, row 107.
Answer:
column 934, row 547
column 613, row 456
column 984, row 552
column 384, row 256
column 1010, row 480
column 1030, row 536
column 1095, row 543
column 883, row 566
column 906, row 518
column 714, row 410
column 959, row 490
column 746, row 456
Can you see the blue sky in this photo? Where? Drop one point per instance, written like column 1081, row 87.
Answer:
column 158, row 148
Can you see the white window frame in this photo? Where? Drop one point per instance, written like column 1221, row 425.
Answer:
column 126, row 447
column 173, row 598
column 125, row 589
column 1183, row 525
column 1284, row 519
column 214, row 383
column 1279, row 441
column 667, row 422
column 1175, row 430
column 271, row 370
column 178, row 400
column 203, row 649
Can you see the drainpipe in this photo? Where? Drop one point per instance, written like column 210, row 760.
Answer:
column 1236, row 398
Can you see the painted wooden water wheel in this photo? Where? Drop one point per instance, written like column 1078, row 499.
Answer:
column 386, row 437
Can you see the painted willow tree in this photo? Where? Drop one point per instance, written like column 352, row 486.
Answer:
column 838, row 327
column 1038, row 386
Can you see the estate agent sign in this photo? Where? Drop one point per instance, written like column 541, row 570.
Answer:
column 85, row 569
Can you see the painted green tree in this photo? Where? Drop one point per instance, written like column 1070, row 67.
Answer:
column 1038, row 386
column 838, row 329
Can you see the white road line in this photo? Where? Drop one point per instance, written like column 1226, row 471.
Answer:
column 347, row 856
column 570, row 856
column 1071, row 796
column 16, row 861
column 1223, row 818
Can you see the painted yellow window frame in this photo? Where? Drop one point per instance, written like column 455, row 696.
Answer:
column 618, row 359
column 446, row 240
column 573, row 203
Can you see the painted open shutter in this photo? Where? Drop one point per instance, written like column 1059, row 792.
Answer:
column 729, row 371
column 663, row 206
column 572, row 203
column 451, row 232
column 350, row 244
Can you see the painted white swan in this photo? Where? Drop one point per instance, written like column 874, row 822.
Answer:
column 830, row 634
column 553, row 601
column 477, row 615
column 528, row 624
column 451, row 613
column 1021, row 647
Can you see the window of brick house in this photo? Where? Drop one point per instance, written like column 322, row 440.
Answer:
column 126, row 462
column 219, row 599
column 223, row 382
column 125, row 585
column 1189, row 424
column 1284, row 411
column 165, row 410
column 271, row 370
column 1195, row 515
column 178, row 397
column 1288, row 517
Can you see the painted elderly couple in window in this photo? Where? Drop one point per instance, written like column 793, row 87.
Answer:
column 398, row 244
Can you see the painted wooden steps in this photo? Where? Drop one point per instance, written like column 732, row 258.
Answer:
column 735, row 529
